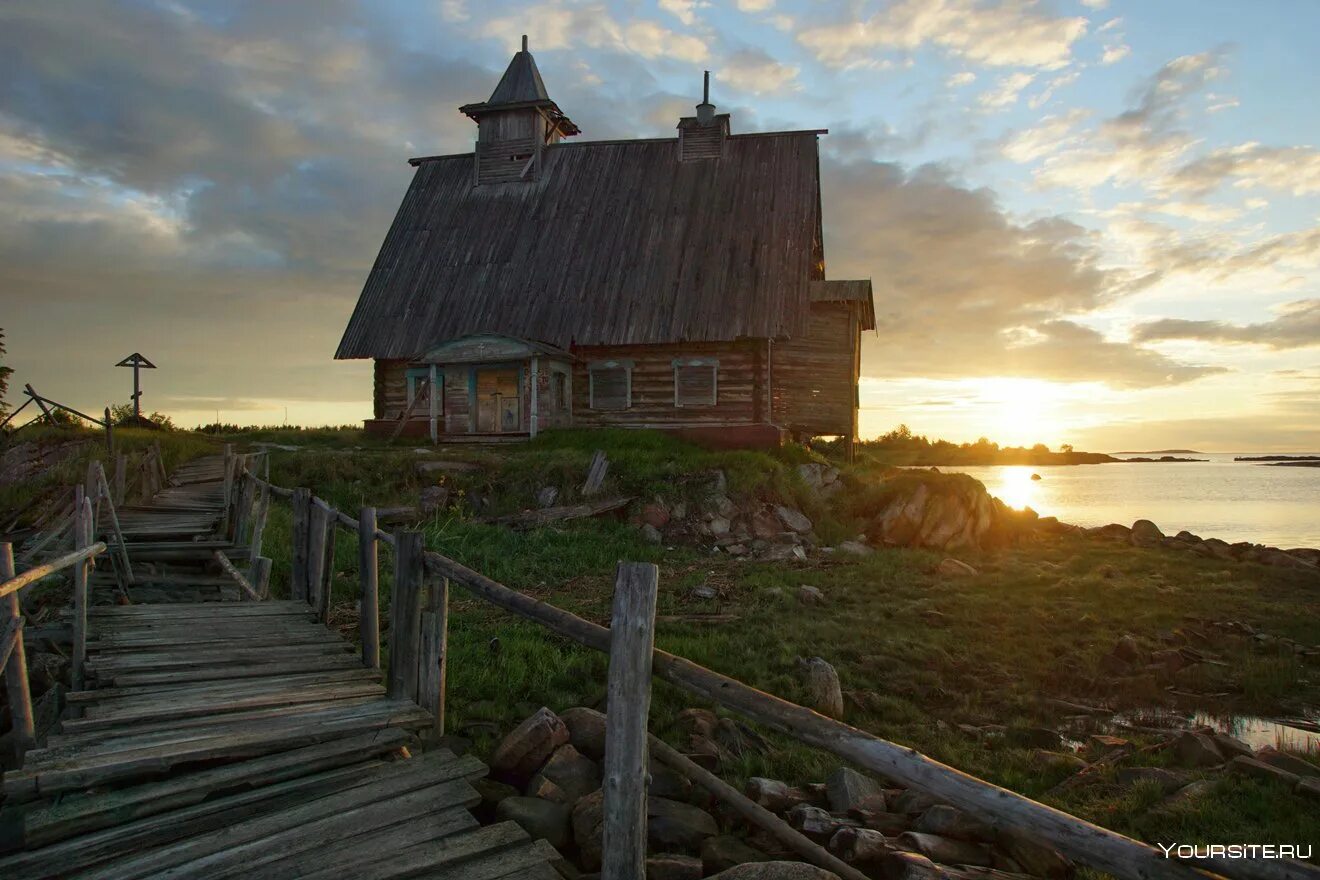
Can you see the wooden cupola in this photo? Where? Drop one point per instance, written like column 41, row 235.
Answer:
column 516, row 123
column 702, row 136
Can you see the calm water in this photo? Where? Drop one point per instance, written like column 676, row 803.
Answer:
column 1220, row 498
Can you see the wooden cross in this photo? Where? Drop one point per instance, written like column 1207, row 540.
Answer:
column 137, row 362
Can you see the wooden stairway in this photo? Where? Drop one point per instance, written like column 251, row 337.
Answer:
column 242, row 739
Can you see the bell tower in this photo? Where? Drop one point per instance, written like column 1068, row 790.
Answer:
column 516, row 123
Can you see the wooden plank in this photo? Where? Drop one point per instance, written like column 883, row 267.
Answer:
column 405, row 616
column 235, row 575
column 632, row 639
column 258, row 526
column 200, row 609
column 82, row 531
column 432, row 655
column 368, row 576
column 81, row 814
column 457, row 855
column 110, row 695
column 112, row 664
column 161, row 713
column 325, row 586
column 318, row 525
column 317, row 663
column 15, row 670
column 302, row 514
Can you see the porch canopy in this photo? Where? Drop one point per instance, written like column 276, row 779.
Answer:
column 486, row 348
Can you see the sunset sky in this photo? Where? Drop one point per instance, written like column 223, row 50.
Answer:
column 1087, row 222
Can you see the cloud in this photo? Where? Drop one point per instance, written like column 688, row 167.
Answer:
column 1288, row 169
column 684, row 10
column 960, row 79
column 560, row 25
column 1044, row 138
column 964, row 290
column 1006, row 92
column 756, row 72
column 1297, row 326
column 755, row 5
column 1013, row 33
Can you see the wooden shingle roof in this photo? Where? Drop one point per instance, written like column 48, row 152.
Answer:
column 615, row 242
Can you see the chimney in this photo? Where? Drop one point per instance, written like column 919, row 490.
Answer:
column 702, row 136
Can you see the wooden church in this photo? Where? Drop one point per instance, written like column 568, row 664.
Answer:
column 673, row 283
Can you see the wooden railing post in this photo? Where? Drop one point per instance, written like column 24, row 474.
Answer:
column 82, row 537
column 632, row 638
column 109, row 434
column 260, row 576
column 16, row 674
column 405, row 615
column 369, row 575
column 164, row 475
column 121, row 478
column 245, row 490
column 302, row 515
column 226, row 516
column 258, row 528
column 318, row 526
column 103, row 490
column 433, row 648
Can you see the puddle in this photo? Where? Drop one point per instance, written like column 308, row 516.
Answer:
column 1255, row 732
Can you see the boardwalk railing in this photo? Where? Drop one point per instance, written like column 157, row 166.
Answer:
column 1004, row 810
column 12, row 656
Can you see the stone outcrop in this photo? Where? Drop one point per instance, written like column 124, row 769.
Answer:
column 942, row 512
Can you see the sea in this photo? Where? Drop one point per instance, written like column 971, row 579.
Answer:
column 1217, row 498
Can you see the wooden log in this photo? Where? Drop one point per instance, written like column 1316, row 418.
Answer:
column 262, row 510
column 36, row 573
column 405, row 616
column 260, row 576
column 530, row 519
column 600, row 466
column 1076, row 838
column 81, row 572
column 249, row 591
column 326, row 588
column 227, row 512
column 15, row 668
column 369, row 577
column 433, row 648
column 632, row 640
column 302, row 515
column 243, row 507
column 126, row 565
column 317, row 526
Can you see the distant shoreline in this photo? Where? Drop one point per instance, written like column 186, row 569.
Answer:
column 1279, row 459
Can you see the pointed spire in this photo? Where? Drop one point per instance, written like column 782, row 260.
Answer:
column 705, row 110
column 521, row 81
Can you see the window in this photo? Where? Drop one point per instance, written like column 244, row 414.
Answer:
column 610, row 384
column 695, row 381
column 416, row 377
column 558, row 392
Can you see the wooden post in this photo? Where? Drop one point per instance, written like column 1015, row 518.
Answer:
column 109, row 434
column 432, row 650
column 405, row 615
column 103, row 487
column 121, row 478
column 226, row 517
column 632, row 639
column 160, row 465
column 534, row 405
column 435, row 430
column 260, row 576
column 247, row 487
column 369, row 576
column 16, row 674
column 327, row 582
column 317, row 524
column 82, row 536
column 258, row 528
column 302, row 515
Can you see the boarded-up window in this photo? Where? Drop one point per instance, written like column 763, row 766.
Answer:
column 696, row 381
column 611, row 384
column 558, row 392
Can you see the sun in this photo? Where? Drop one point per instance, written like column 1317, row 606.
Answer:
column 1017, row 412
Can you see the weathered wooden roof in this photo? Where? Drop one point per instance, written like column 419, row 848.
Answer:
column 615, row 242
column 847, row 291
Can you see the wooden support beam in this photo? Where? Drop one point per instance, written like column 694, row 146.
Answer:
column 249, row 591
column 632, row 640
column 318, row 525
column 226, row 515
column 82, row 536
column 405, row 615
column 259, row 576
column 1076, row 838
column 15, row 668
column 125, row 566
column 432, row 651
column 109, row 434
column 259, row 515
column 369, row 577
column 327, row 582
column 302, row 517
column 121, row 478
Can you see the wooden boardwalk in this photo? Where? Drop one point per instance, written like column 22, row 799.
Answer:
column 238, row 739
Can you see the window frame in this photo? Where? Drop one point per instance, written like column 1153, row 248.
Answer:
column 614, row 364
column 714, row 364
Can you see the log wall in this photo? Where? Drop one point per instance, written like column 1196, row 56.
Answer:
column 815, row 376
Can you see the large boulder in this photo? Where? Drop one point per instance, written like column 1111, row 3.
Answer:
column 775, row 871
column 586, row 731
column 571, row 774
column 541, row 819
column 673, row 826
column 941, row 511
column 725, row 851
column 1146, row 534
column 524, row 750
column 823, row 691
column 848, row 790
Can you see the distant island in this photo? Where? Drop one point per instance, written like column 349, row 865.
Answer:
column 1277, row 458
column 1161, row 452
column 902, row 448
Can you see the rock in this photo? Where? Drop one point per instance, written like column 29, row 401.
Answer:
column 524, row 750
column 719, row 483
column 947, row 821
column 718, row 526
column 1033, row 737
column 784, row 552
column 493, row 792
column 1282, row 559
column 854, row 548
column 588, row 814
column 793, row 520
column 432, row 499
column 725, row 851
column 543, row 788
column 46, row 711
column 655, row 515
column 1103, row 744
column 1112, row 532
column 823, row 691
column 775, row 796
column 650, row 534
column 1190, row 792
column 912, row 801
column 1145, row 534
column 586, row 731
column 860, row 845
column 1285, row 761
column 1231, row 747
column 817, row 823
column 541, row 819
column 1129, row 650
column 765, row 526
column 888, row 824
column 809, row 595
column 547, row 496
column 945, row 849
column 673, row 826
column 1035, row 859
column 1243, row 766
column 951, row 567
column 775, row 871
column 911, row 866
column 669, row 866
column 1058, row 760
column 1309, row 788
column 573, row 774
column 846, row 789
column 704, row 591
column 1197, row 750
column 668, row 783
column 1165, row 779
column 44, row 670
